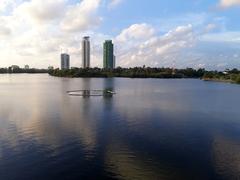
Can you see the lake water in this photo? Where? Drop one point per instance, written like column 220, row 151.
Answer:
column 151, row 129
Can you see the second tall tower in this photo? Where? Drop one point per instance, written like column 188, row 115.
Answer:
column 86, row 52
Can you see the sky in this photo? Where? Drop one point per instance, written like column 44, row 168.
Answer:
column 155, row 33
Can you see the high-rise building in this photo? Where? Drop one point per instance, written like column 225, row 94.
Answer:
column 65, row 61
column 86, row 52
column 108, row 55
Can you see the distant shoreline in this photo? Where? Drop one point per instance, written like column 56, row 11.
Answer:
column 27, row 73
column 228, row 76
column 220, row 80
column 124, row 77
column 232, row 76
column 137, row 72
column 17, row 70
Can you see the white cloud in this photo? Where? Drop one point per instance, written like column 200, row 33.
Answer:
column 4, row 28
column 136, row 32
column 5, row 4
column 222, row 37
column 210, row 27
column 4, row 31
column 81, row 16
column 147, row 48
column 38, row 12
column 114, row 3
column 229, row 3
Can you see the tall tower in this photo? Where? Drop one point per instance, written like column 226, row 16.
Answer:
column 108, row 55
column 65, row 61
column 86, row 52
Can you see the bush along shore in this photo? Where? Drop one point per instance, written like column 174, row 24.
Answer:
column 231, row 76
column 21, row 70
column 137, row 72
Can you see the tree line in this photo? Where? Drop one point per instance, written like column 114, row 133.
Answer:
column 136, row 72
column 228, row 76
column 21, row 70
column 148, row 72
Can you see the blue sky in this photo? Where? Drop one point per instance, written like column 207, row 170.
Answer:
column 179, row 33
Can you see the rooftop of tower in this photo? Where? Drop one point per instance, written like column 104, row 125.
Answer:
column 108, row 41
column 86, row 37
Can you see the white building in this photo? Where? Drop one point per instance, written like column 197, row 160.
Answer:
column 50, row 67
column 15, row 67
column 86, row 52
column 26, row 67
column 65, row 61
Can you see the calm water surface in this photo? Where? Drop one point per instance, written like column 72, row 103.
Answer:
column 151, row 129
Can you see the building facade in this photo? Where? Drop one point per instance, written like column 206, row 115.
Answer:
column 86, row 52
column 108, row 55
column 65, row 61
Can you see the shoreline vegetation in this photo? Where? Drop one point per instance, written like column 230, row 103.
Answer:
column 11, row 70
column 229, row 76
column 136, row 72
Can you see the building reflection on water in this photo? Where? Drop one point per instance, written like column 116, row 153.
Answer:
column 87, row 87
